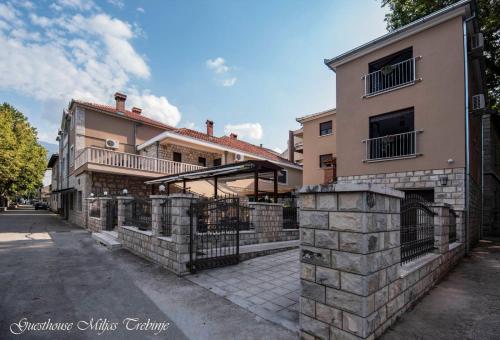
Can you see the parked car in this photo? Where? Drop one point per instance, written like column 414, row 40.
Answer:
column 41, row 205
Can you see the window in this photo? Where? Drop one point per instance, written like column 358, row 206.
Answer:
column 79, row 203
column 177, row 157
column 392, row 71
column 426, row 194
column 392, row 135
column 217, row 161
column 202, row 161
column 283, row 176
column 325, row 161
column 71, row 200
column 325, row 128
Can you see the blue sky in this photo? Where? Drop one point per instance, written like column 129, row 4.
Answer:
column 251, row 66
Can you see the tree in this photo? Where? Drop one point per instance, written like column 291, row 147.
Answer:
column 22, row 158
column 403, row 12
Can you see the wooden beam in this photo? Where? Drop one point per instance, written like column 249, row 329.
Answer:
column 183, row 186
column 275, row 175
column 215, row 186
column 256, row 185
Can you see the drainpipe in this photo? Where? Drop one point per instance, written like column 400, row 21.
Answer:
column 467, row 139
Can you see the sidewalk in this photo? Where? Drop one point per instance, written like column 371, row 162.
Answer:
column 465, row 305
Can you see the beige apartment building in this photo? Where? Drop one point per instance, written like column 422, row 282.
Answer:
column 408, row 114
column 105, row 149
column 319, row 147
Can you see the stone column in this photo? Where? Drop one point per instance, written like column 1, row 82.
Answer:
column 350, row 255
column 122, row 211
column 103, row 202
column 441, row 227
column 156, row 210
column 267, row 220
column 181, row 225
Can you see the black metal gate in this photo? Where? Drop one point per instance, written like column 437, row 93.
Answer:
column 215, row 232
column 417, row 227
column 111, row 214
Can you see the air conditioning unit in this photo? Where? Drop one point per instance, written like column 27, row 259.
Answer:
column 477, row 41
column 478, row 102
column 239, row 157
column 112, row 144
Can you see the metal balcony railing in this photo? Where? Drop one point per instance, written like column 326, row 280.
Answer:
column 402, row 145
column 390, row 77
column 131, row 161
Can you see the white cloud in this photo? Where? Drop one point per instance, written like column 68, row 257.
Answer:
column 117, row 3
column 278, row 150
column 82, row 5
column 86, row 56
column 140, row 9
column 245, row 130
column 229, row 82
column 218, row 65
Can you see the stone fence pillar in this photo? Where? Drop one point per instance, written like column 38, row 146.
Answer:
column 350, row 255
column 267, row 220
column 441, row 227
column 156, row 211
column 123, row 213
column 181, row 225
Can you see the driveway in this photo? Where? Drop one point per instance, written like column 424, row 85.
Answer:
column 465, row 305
column 55, row 273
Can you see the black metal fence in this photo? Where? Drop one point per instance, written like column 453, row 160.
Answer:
column 290, row 213
column 453, row 226
column 417, row 227
column 138, row 213
column 215, row 227
column 94, row 208
column 166, row 217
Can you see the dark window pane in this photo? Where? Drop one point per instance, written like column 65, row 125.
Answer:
column 202, row 161
column 282, row 176
column 177, row 157
column 325, row 128
column 325, row 161
column 392, row 123
column 217, row 161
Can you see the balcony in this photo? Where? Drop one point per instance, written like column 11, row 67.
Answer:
column 398, row 146
column 390, row 77
column 299, row 146
column 97, row 159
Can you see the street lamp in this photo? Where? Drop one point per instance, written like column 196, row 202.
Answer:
column 443, row 180
column 105, row 193
column 161, row 188
column 125, row 192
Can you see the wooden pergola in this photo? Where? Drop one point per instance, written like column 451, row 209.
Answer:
column 255, row 168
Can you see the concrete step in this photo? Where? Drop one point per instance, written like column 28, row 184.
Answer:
column 108, row 240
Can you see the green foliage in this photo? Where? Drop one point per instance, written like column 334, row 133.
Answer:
column 403, row 12
column 22, row 158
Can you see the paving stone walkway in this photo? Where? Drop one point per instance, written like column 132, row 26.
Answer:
column 268, row 286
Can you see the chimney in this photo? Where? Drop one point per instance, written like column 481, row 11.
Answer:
column 136, row 110
column 291, row 146
column 233, row 135
column 120, row 99
column 210, row 127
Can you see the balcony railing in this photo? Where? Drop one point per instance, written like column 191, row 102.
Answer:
column 124, row 160
column 402, row 145
column 390, row 77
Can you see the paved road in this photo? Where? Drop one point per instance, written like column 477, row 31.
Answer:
column 53, row 270
column 465, row 305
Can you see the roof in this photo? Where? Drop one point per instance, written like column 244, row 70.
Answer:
column 411, row 28
column 316, row 115
column 226, row 170
column 52, row 160
column 233, row 143
column 127, row 114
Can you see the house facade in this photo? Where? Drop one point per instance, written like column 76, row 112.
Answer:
column 405, row 116
column 319, row 147
column 105, row 149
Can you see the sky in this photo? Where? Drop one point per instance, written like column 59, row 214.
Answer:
column 250, row 66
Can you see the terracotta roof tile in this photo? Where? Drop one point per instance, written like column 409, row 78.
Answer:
column 127, row 113
column 234, row 144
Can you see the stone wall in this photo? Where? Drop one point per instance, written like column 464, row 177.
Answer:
column 170, row 252
column 353, row 284
column 189, row 155
column 114, row 184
